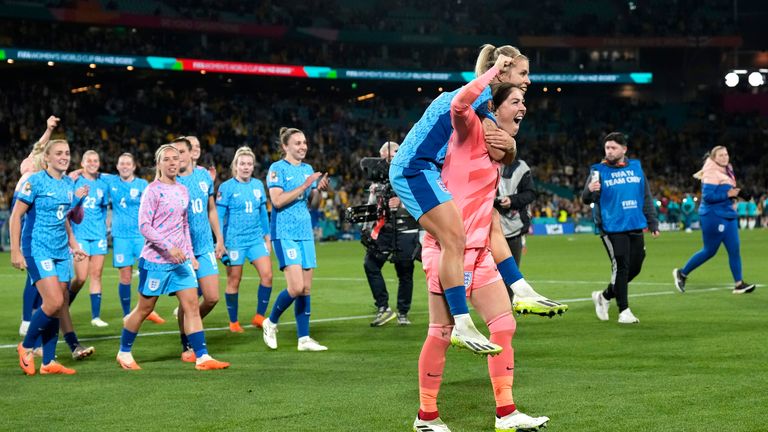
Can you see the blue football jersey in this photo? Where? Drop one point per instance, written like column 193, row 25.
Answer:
column 622, row 197
column 200, row 188
column 426, row 144
column 292, row 222
column 94, row 224
column 243, row 211
column 126, row 198
column 44, row 234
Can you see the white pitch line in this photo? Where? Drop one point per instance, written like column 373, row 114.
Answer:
column 362, row 279
column 358, row 317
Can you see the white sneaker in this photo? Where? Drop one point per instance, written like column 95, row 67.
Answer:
column 306, row 343
column 601, row 305
column 98, row 322
column 466, row 335
column 270, row 333
column 518, row 421
column 23, row 328
column 435, row 425
column 627, row 317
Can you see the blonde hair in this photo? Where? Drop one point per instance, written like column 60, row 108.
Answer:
column 89, row 153
column 39, row 158
column 159, row 155
column 489, row 54
column 242, row 151
column 388, row 147
column 698, row 175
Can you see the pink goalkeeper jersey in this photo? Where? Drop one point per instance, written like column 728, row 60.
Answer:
column 469, row 173
column 163, row 221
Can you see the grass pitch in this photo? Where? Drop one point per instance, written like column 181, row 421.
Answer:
column 697, row 361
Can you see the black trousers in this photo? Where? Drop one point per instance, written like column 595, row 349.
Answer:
column 404, row 268
column 626, row 250
column 516, row 247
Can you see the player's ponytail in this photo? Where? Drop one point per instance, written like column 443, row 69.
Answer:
column 489, row 54
column 38, row 155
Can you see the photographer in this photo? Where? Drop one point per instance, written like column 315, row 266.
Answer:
column 515, row 193
column 388, row 238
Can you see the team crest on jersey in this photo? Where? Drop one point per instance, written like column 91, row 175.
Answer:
column 153, row 284
column 27, row 189
column 134, row 193
column 467, row 279
column 47, row 265
column 203, row 187
column 234, row 255
column 441, row 185
column 257, row 194
column 273, row 176
column 291, row 253
column 100, row 193
column 218, row 196
column 119, row 258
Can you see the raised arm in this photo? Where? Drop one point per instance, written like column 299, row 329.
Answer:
column 462, row 111
column 27, row 164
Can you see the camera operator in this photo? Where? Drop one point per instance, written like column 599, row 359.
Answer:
column 515, row 193
column 389, row 239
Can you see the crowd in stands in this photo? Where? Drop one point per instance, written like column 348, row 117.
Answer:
column 559, row 138
column 493, row 21
column 427, row 17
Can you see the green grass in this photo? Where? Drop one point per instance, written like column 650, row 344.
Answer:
column 695, row 362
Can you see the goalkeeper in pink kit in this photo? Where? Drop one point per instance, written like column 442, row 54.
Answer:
column 471, row 175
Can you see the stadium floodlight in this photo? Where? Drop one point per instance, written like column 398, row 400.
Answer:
column 756, row 79
column 731, row 79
